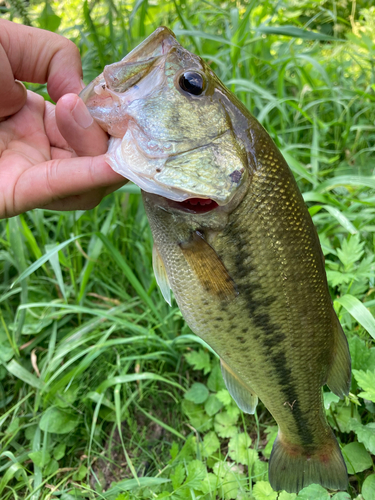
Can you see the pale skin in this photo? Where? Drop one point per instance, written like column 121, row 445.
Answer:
column 50, row 156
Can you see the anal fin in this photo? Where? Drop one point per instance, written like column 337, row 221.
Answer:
column 245, row 398
column 161, row 275
column 339, row 374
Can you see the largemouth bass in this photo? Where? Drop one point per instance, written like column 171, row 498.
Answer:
column 234, row 241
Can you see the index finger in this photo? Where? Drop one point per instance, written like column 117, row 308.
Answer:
column 39, row 56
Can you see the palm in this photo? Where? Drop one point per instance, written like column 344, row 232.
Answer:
column 38, row 168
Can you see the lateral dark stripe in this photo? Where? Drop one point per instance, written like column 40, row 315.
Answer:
column 257, row 302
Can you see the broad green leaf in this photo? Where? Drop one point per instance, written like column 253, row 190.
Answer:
column 209, row 485
column 224, row 397
column 40, row 458
column 262, row 490
column 58, row 421
column 212, row 405
column 341, row 496
column 59, row 451
column 259, row 470
column 287, row 496
column 230, row 479
column 48, row 20
column 356, row 457
column 52, row 467
column 178, row 475
column 344, row 416
column 313, row 492
column 359, row 312
column 351, row 250
column 197, row 416
column 225, row 424
column 196, row 472
column 365, row 434
column 366, row 380
column 239, row 449
column 215, row 381
column 199, row 360
column 363, row 358
column 330, row 398
column 20, row 372
column 210, row 444
column 198, row 393
column 80, row 473
column 368, row 488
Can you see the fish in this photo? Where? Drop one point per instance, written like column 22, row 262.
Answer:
column 234, row 241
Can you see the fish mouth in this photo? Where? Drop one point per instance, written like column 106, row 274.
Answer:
column 194, row 205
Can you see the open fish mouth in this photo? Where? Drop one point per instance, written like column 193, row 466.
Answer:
column 194, row 205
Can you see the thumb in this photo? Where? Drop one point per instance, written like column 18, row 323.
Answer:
column 13, row 93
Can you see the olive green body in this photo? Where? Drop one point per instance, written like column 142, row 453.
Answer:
column 277, row 334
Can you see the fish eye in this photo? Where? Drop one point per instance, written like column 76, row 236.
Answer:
column 192, row 83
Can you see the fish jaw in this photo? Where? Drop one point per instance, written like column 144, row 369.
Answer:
column 212, row 172
column 109, row 94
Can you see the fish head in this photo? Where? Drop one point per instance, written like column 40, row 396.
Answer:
column 171, row 132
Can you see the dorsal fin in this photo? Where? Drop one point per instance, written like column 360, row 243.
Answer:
column 245, row 398
column 161, row 274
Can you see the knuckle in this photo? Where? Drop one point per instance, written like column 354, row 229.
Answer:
column 51, row 174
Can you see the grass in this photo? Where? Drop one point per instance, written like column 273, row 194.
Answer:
column 104, row 391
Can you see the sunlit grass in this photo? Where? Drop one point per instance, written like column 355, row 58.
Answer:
column 94, row 364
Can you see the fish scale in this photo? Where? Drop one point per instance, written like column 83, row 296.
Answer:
column 235, row 242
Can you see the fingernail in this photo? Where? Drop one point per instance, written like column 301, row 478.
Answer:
column 81, row 115
column 83, row 85
column 22, row 85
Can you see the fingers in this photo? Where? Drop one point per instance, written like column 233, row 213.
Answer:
column 13, row 93
column 48, row 183
column 39, row 56
column 78, row 128
column 84, row 201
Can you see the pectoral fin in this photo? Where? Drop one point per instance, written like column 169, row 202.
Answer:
column 240, row 392
column 209, row 269
column 161, row 275
column 339, row 374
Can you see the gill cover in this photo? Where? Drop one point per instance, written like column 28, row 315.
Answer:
column 170, row 132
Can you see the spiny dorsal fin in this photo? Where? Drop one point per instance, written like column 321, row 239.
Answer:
column 339, row 374
column 245, row 398
column 161, row 275
column 207, row 266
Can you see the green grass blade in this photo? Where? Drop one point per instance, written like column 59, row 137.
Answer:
column 359, row 312
column 125, row 379
column 295, row 32
column 133, row 280
column 36, row 265
column 20, row 372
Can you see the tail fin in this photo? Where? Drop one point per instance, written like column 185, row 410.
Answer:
column 293, row 467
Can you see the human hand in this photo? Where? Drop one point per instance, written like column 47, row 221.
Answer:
column 39, row 166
